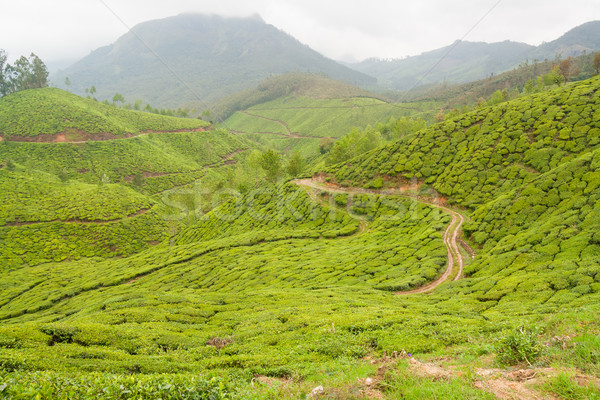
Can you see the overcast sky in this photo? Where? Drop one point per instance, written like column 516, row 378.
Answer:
column 340, row 29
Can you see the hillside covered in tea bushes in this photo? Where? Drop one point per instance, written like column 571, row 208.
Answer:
column 96, row 198
column 280, row 288
column 51, row 111
column 527, row 173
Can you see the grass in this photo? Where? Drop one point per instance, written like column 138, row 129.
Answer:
column 404, row 384
column 566, row 386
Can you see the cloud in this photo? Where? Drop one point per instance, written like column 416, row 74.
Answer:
column 352, row 28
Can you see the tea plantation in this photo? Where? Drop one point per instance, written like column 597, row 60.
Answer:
column 309, row 117
column 280, row 289
column 50, row 111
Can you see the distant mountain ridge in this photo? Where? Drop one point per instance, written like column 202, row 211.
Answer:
column 464, row 61
column 176, row 60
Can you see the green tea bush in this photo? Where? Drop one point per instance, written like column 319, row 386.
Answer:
column 49, row 111
column 51, row 386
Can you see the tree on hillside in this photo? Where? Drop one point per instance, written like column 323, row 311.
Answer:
column 270, row 161
column 439, row 117
column 26, row 73
column 3, row 79
column 40, row 72
column 118, row 98
column 354, row 143
column 567, row 68
column 597, row 63
column 325, row 145
column 497, row 98
column 553, row 77
column 295, row 164
column 29, row 73
column 529, row 87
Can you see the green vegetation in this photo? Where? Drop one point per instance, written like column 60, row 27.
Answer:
column 566, row 387
column 290, row 84
column 50, row 385
column 527, row 78
column 24, row 74
column 517, row 347
column 473, row 157
column 276, row 289
column 51, row 111
column 163, row 160
column 308, row 117
column 106, row 198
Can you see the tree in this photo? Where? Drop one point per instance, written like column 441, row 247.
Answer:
column 270, row 161
column 118, row 97
column 529, row 87
column 325, row 145
column 497, row 97
column 597, row 63
column 353, row 144
column 566, row 68
column 29, row 73
column 295, row 164
column 24, row 74
column 553, row 77
column 3, row 78
column 439, row 117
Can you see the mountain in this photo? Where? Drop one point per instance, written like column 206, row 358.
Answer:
column 464, row 61
column 175, row 60
column 460, row 62
column 584, row 38
column 458, row 95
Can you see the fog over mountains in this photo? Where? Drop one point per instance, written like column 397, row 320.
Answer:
column 173, row 60
column 191, row 57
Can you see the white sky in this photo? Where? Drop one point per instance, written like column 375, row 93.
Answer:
column 340, row 29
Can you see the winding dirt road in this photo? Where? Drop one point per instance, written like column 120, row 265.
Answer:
column 455, row 264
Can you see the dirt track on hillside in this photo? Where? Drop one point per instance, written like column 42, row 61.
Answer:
column 84, row 137
column 451, row 235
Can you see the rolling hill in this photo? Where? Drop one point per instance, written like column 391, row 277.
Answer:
column 306, row 112
column 305, row 286
column 44, row 114
column 83, row 179
column 464, row 61
column 190, row 57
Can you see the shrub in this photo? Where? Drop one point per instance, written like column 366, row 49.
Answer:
column 518, row 346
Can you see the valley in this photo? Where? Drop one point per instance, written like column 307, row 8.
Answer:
column 299, row 236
